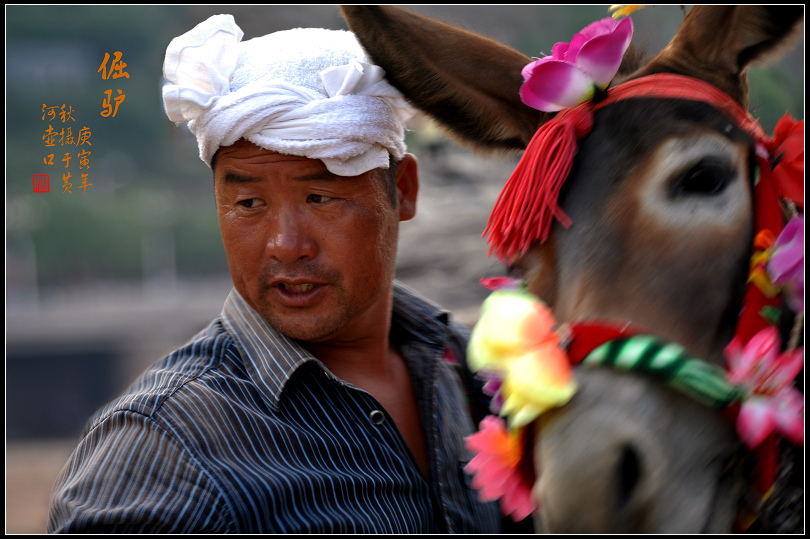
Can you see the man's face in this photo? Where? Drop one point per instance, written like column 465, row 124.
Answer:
column 312, row 252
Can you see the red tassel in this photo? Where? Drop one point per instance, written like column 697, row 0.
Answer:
column 528, row 202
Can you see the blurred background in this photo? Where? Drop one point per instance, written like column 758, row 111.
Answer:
column 106, row 279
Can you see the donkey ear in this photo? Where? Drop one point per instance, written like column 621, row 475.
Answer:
column 467, row 82
column 718, row 43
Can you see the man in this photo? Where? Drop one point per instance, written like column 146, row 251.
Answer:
column 325, row 397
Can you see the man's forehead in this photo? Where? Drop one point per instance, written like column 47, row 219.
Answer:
column 245, row 162
column 241, row 145
column 243, row 151
column 231, row 177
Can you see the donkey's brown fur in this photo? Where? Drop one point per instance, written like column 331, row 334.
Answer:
column 660, row 196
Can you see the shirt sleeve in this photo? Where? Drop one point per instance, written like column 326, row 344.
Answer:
column 130, row 475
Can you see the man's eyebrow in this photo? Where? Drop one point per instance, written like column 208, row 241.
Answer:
column 232, row 177
column 317, row 176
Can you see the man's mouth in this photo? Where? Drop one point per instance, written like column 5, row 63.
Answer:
column 298, row 294
column 297, row 288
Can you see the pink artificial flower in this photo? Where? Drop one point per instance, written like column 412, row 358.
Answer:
column 496, row 468
column 786, row 266
column 773, row 403
column 570, row 75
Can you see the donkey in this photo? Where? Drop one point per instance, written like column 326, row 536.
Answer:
column 660, row 197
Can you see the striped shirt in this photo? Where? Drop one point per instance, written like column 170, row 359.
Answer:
column 243, row 431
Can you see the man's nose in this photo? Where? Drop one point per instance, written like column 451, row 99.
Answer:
column 290, row 239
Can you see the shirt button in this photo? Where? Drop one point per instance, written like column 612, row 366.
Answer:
column 377, row 417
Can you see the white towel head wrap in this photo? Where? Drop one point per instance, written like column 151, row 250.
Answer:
column 309, row 92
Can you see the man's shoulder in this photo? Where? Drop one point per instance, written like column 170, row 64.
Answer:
column 204, row 353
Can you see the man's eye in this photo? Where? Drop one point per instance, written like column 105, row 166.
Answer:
column 318, row 199
column 249, row 203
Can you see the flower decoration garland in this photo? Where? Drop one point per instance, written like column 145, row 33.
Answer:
column 516, row 348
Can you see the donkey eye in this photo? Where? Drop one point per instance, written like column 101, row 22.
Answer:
column 708, row 177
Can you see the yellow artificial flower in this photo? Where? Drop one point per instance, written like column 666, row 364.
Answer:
column 515, row 340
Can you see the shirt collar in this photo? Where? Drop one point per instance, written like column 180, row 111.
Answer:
column 271, row 358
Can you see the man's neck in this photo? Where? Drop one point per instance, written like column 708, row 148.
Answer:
column 368, row 356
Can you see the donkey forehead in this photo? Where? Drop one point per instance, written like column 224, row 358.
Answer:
column 647, row 121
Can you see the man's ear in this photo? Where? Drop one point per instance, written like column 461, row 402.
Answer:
column 407, row 186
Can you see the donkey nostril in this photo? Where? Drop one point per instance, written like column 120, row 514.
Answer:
column 629, row 475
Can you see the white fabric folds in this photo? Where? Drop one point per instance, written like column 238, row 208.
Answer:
column 309, row 92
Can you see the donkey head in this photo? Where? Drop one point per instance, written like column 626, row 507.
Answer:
column 660, row 197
